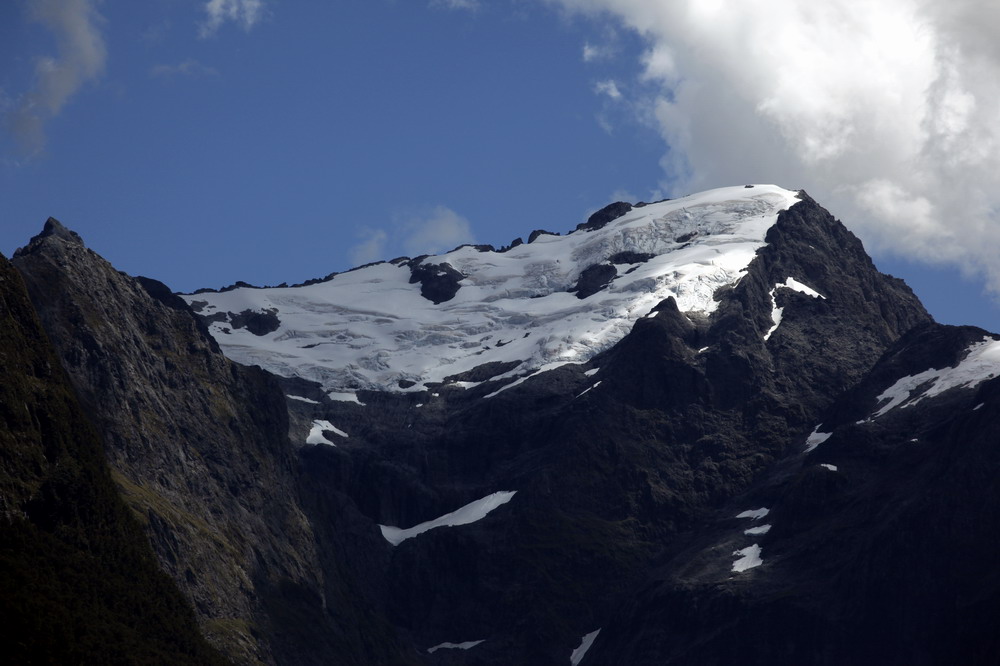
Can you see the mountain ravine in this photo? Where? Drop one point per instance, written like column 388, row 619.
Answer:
column 698, row 431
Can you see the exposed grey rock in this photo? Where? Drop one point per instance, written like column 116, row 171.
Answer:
column 607, row 214
column 629, row 472
column 438, row 282
column 593, row 279
column 200, row 450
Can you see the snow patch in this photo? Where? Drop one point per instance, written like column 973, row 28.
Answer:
column 754, row 531
column 301, row 399
column 467, row 645
column 749, row 558
column 591, row 372
column 832, row 468
column 589, row 388
column 981, row 362
column 816, row 438
column 521, row 380
column 345, row 396
column 580, row 652
column 979, row 406
column 465, row 515
column 755, row 514
column 464, row 385
column 794, row 285
column 316, row 433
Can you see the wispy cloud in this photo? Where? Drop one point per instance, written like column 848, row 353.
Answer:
column 189, row 68
column 456, row 4
column 430, row 232
column 596, row 53
column 82, row 54
column 245, row 13
column 609, row 88
column 371, row 248
column 440, row 230
column 887, row 112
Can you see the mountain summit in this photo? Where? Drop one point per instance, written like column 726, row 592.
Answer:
column 682, row 433
column 554, row 300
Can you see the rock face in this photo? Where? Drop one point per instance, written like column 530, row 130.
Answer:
column 78, row 581
column 615, row 461
column 882, row 543
column 199, row 449
column 740, row 476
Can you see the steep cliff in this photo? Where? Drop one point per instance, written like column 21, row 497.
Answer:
column 78, row 580
column 200, row 451
column 688, row 425
column 768, row 310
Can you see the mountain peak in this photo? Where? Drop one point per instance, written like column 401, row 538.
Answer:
column 53, row 229
column 553, row 301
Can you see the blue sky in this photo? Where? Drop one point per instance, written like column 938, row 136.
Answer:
column 203, row 142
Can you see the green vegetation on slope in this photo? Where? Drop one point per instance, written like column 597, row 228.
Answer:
column 78, row 581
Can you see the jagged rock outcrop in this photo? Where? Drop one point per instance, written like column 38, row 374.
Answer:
column 881, row 541
column 78, row 580
column 614, row 461
column 199, row 449
column 728, row 474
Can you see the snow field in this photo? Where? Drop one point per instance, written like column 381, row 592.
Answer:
column 370, row 328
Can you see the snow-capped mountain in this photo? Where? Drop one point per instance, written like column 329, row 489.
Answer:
column 554, row 300
column 700, row 431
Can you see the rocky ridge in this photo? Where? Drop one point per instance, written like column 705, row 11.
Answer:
column 78, row 581
column 746, row 481
column 199, row 448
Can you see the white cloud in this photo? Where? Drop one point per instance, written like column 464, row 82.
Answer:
column 243, row 12
column 887, row 112
column 189, row 67
column 441, row 230
column 621, row 194
column 609, row 88
column 456, row 4
column 431, row 232
column 595, row 53
column 371, row 249
column 604, row 123
column 82, row 54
